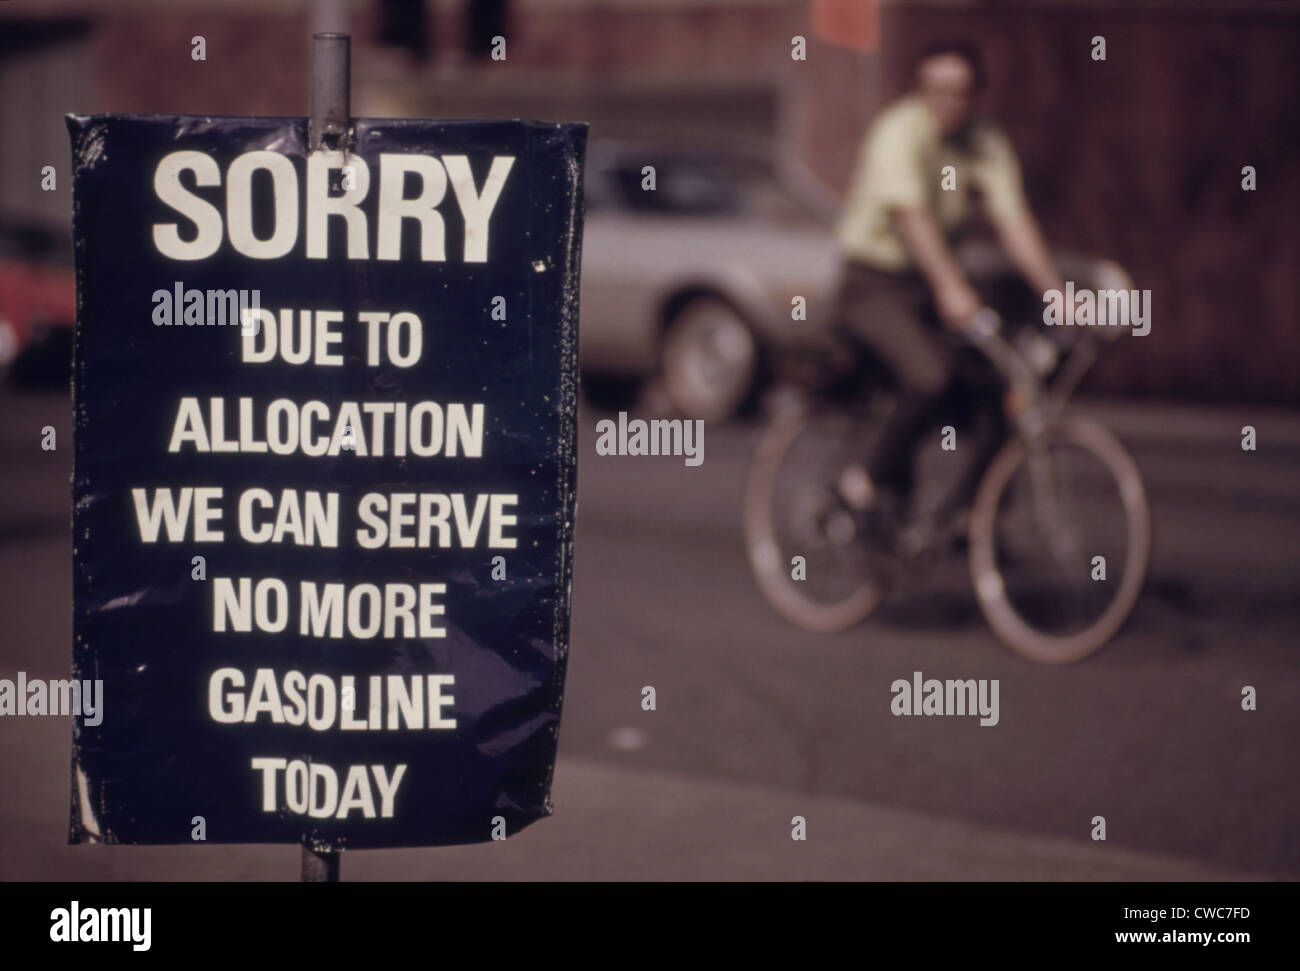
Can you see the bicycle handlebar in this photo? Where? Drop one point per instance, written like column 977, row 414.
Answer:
column 983, row 333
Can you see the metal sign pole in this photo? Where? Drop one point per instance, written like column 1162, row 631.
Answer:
column 331, row 81
column 320, row 867
column 331, row 117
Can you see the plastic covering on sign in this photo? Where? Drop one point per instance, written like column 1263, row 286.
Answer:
column 323, row 498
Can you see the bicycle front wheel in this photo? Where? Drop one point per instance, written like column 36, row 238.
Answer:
column 792, row 510
column 1059, row 543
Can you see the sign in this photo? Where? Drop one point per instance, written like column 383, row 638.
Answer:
column 853, row 24
column 325, row 415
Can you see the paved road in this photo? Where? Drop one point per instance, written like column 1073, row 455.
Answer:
column 757, row 720
column 1148, row 733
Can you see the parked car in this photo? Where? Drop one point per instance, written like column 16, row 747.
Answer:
column 38, row 304
column 695, row 280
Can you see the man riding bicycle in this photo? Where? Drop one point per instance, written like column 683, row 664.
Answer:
column 925, row 164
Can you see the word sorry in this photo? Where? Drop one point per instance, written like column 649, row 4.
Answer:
column 434, row 174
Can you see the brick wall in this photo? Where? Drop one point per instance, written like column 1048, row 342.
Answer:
column 1138, row 157
column 257, row 63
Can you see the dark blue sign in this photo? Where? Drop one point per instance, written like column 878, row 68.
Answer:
column 324, row 484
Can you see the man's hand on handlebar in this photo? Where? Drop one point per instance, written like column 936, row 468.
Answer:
column 984, row 325
column 957, row 304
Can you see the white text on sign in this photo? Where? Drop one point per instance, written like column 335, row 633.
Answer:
column 207, row 228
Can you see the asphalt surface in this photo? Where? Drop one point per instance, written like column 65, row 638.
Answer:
column 757, row 721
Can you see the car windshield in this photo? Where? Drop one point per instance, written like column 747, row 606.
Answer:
column 709, row 187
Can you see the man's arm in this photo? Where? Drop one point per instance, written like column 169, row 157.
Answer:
column 1024, row 243
column 954, row 297
column 1008, row 211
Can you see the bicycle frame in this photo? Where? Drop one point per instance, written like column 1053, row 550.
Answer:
column 1036, row 409
column 1037, row 405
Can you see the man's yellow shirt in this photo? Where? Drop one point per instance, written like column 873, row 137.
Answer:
column 900, row 164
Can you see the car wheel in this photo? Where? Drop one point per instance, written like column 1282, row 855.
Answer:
column 710, row 360
column 606, row 392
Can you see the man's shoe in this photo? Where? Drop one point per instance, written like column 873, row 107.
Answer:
column 855, row 488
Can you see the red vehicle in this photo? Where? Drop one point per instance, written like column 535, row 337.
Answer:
column 38, row 304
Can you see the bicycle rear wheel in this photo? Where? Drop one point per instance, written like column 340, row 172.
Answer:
column 1042, row 518
column 793, row 508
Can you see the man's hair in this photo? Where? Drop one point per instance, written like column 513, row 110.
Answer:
column 966, row 52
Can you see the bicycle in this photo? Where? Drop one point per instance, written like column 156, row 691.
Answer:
column 1052, row 610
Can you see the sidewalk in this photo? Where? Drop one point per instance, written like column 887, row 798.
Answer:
column 1177, row 423
column 616, row 823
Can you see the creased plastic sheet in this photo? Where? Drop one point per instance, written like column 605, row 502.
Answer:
column 501, row 333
